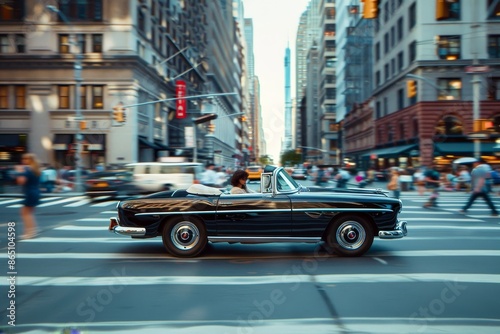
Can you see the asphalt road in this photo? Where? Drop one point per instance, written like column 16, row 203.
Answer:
column 443, row 277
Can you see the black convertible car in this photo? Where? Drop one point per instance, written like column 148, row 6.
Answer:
column 344, row 220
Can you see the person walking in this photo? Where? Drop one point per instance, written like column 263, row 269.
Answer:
column 394, row 183
column 28, row 176
column 432, row 177
column 209, row 177
column 480, row 187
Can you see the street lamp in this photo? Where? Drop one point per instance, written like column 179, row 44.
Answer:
column 78, row 112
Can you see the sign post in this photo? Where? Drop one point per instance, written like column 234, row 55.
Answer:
column 180, row 93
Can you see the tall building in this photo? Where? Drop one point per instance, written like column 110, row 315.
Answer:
column 308, row 32
column 131, row 52
column 330, row 134
column 288, row 102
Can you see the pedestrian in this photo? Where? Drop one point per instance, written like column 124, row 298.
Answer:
column 320, row 177
column 480, row 187
column 239, row 182
column 48, row 178
column 210, row 177
column 394, row 183
column 432, row 181
column 28, row 176
column 419, row 179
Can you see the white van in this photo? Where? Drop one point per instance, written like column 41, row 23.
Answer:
column 159, row 176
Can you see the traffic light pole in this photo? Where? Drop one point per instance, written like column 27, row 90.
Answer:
column 78, row 113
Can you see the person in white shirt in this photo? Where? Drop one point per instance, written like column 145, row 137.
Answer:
column 210, row 177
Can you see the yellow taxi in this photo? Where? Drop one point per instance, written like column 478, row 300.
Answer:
column 254, row 172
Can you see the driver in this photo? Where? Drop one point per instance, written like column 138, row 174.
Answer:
column 239, row 182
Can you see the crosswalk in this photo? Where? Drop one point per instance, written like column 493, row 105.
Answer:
column 73, row 201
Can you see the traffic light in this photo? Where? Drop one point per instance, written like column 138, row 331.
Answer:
column 370, row 9
column 411, row 88
column 211, row 128
column 83, row 125
column 119, row 114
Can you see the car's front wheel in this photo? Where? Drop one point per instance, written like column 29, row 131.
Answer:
column 350, row 236
column 184, row 236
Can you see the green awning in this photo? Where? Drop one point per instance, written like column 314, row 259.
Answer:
column 462, row 148
column 392, row 152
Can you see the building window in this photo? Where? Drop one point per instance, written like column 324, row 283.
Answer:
column 89, row 10
column 494, row 46
column 386, row 12
column 20, row 43
column 494, row 89
column 401, row 99
column 20, row 97
column 64, row 44
column 400, row 29
column 412, row 52
column 4, row 97
column 449, row 47
column 378, row 110
column 64, row 97
column 494, row 12
column 449, row 125
column 97, row 97
column 12, row 10
column 448, row 10
column 400, row 60
column 377, row 78
column 386, row 72
column 412, row 16
column 393, row 66
column 83, row 97
column 416, row 131
column 450, row 89
column 97, row 43
column 393, row 37
column 4, row 43
column 401, row 131
column 377, row 51
column 386, row 106
column 386, row 42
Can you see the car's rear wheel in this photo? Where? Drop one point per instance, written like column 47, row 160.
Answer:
column 350, row 236
column 184, row 236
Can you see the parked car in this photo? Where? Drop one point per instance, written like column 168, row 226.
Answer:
column 254, row 172
column 110, row 183
column 299, row 174
column 345, row 221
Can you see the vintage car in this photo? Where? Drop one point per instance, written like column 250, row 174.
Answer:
column 345, row 221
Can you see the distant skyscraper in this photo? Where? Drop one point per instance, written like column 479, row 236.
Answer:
column 288, row 103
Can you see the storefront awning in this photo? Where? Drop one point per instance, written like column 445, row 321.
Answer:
column 391, row 152
column 462, row 148
column 144, row 142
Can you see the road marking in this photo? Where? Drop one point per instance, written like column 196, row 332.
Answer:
column 386, row 325
column 104, row 204
column 60, row 201
column 11, row 201
column 165, row 256
column 256, row 280
column 79, row 203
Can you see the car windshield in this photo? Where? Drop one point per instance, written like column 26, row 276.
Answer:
column 284, row 182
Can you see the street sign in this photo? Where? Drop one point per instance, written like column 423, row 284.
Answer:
column 477, row 69
column 180, row 93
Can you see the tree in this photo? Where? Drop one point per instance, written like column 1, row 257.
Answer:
column 291, row 158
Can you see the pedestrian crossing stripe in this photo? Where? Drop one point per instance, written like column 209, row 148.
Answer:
column 258, row 280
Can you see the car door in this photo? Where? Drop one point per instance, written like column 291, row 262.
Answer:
column 254, row 214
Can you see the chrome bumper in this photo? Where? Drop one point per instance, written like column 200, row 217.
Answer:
column 398, row 232
column 114, row 227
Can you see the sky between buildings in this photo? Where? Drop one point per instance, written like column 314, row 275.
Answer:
column 275, row 25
